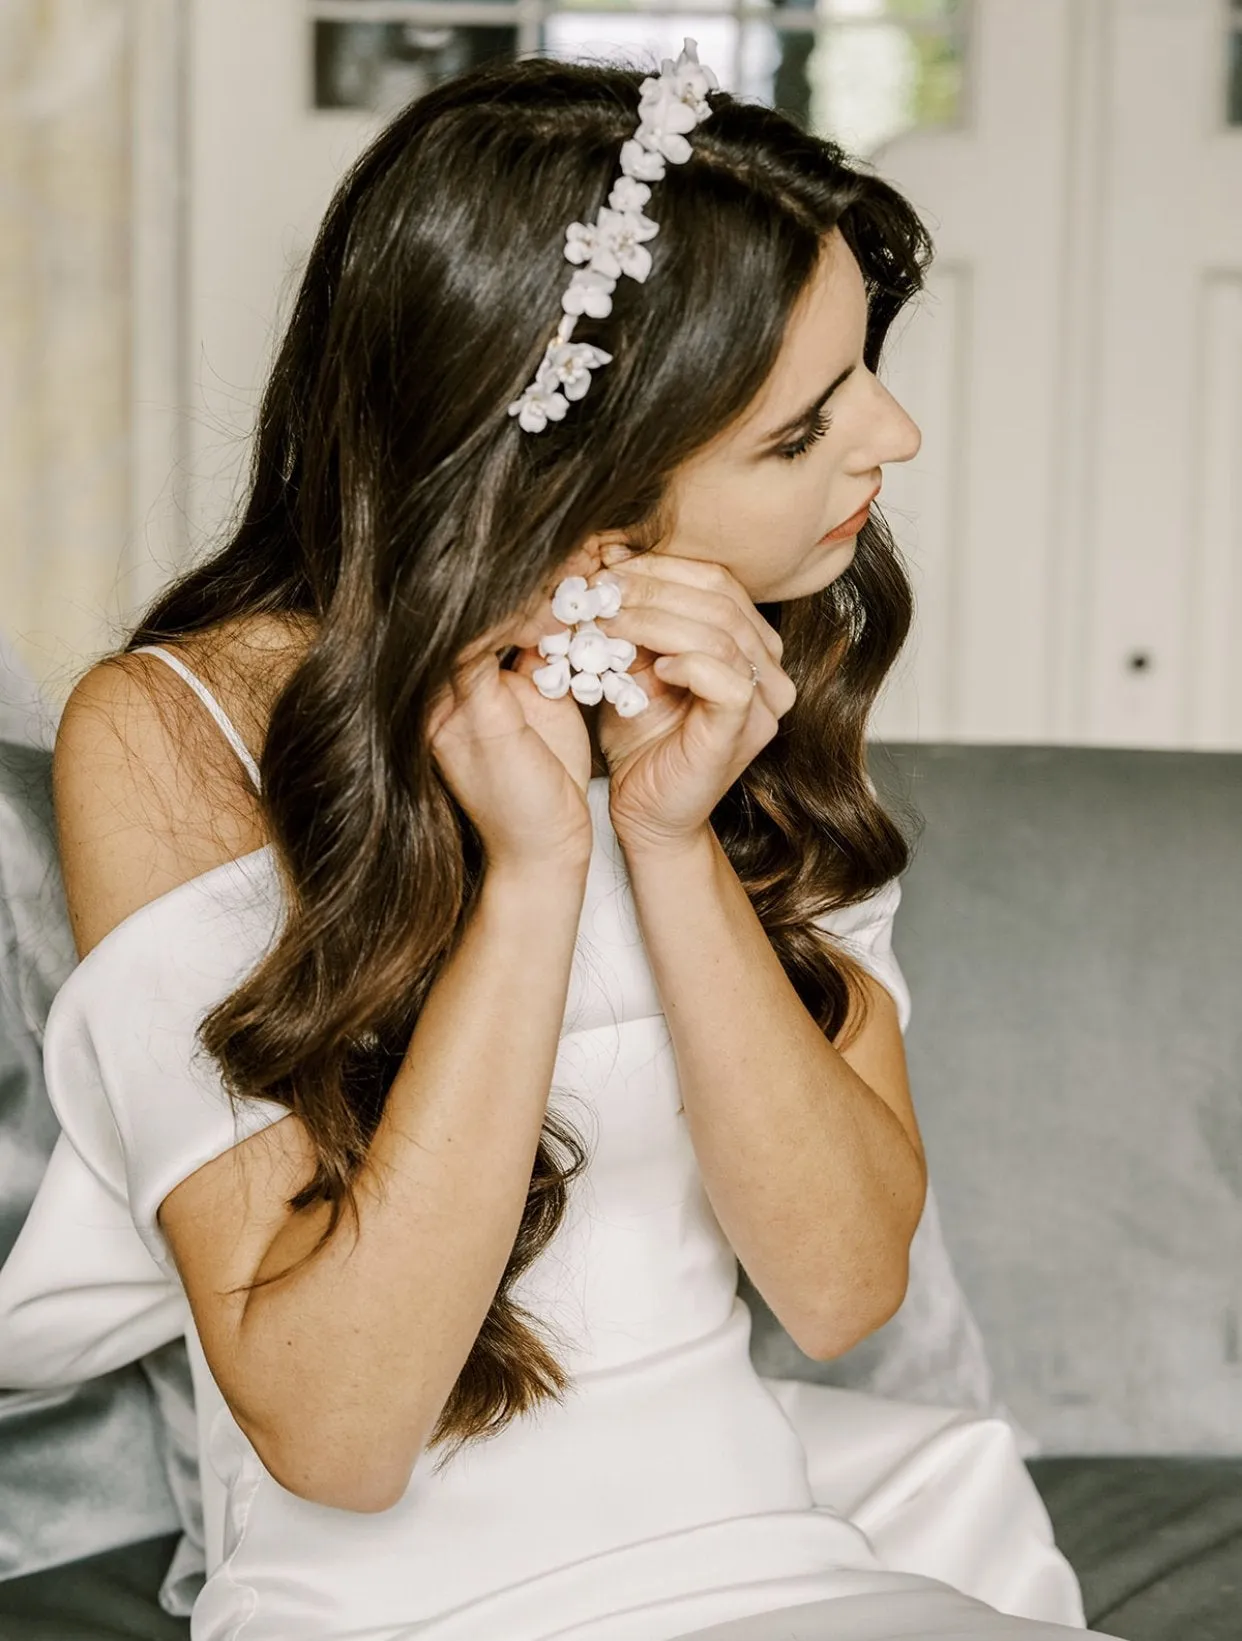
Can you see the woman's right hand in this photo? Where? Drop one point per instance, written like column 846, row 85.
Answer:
column 518, row 764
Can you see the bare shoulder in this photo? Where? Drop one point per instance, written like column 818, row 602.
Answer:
column 148, row 794
column 147, row 791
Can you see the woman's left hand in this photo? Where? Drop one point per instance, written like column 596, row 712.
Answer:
column 670, row 764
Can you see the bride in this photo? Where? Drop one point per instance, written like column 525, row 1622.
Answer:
column 517, row 959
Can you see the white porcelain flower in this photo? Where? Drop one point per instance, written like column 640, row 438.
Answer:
column 643, row 164
column 574, row 601
column 555, row 643
column 571, row 363
column 671, row 104
column 589, row 292
column 622, row 233
column 540, row 403
column 687, row 79
column 609, row 596
column 628, row 194
column 670, row 144
column 610, row 244
column 663, row 110
column 590, row 648
column 623, row 653
column 625, row 694
column 581, row 239
column 586, row 688
column 589, row 663
column 552, row 680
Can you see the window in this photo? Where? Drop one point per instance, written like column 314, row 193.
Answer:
column 862, row 71
column 1233, row 66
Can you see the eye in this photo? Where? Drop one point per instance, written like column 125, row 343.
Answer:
column 814, row 433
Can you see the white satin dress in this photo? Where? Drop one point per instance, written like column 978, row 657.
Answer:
column 674, row 1492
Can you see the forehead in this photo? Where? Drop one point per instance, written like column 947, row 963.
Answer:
column 825, row 333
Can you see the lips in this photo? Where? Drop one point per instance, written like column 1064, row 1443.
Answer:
column 854, row 523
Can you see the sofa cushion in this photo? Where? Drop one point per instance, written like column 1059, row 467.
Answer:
column 112, row 1596
column 82, row 1467
column 1156, row 1542
column 1071, row 931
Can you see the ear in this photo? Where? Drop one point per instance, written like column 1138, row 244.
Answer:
column 601, row 548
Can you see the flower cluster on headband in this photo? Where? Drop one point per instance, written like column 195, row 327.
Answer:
column 670, row 105
column 600, row 662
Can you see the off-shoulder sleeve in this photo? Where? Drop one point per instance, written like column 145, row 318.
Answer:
column 80, row 1295
column 865, row 930
column 138, row 1098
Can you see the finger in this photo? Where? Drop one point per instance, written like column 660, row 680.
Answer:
column 526, row 663
column 471, row 669
column 664, row 631
column 442, row 708
column 721, row 689
column 703, row 574
column 470, row 675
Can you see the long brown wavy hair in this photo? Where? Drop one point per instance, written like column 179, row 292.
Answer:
column 393, row 501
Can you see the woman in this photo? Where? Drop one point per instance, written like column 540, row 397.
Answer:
column 513, row 1396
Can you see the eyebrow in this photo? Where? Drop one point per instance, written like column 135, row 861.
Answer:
column 804, row 418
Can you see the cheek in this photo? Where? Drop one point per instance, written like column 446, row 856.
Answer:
column 766, row 522
column 793, row 514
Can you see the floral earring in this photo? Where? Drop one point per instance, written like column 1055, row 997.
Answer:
column 586, row 661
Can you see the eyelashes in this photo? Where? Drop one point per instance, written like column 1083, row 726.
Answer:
column 814, row 433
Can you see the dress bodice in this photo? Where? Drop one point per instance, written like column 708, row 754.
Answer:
column 667, row 1472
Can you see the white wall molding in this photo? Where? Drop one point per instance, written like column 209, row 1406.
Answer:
column 157, row 543
column 1213, row 713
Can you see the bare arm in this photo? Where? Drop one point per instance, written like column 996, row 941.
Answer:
column 339, row 1372
column 815, row 1169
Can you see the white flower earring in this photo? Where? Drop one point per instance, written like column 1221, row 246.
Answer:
column 586, row 661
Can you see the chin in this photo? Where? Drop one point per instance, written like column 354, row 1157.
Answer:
column 820, row 569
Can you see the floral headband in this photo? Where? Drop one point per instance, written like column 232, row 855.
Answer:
column 671, row 104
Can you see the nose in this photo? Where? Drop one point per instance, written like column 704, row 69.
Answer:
column 895, row 435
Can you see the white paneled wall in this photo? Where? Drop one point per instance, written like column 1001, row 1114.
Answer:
column 1213, row 602
column 1085, row 394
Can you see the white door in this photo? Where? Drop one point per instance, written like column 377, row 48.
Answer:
column 1076, row 514
column 1162, row 606
column 979, row 366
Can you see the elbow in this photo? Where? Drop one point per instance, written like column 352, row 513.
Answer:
column 878, row 1296
column 356, row 1485
column 356, row 1491
column 844, row 1329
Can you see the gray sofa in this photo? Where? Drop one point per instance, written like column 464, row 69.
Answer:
column 1071, row 932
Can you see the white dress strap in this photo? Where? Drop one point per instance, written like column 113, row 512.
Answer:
column 209, row 701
